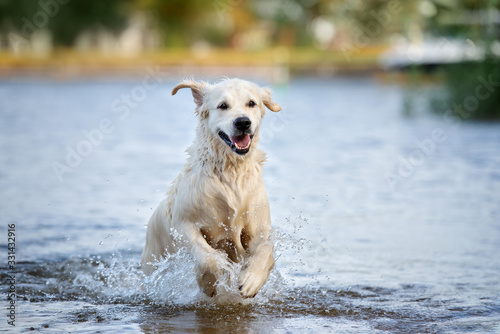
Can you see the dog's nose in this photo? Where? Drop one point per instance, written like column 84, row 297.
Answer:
column 242, row 123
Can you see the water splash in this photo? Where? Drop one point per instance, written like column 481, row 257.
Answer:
column 173, row 282
column 117, row 278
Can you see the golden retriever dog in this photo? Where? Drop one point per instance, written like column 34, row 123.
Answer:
column 217, row 207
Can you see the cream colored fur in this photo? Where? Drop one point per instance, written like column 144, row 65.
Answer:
column 217, row 207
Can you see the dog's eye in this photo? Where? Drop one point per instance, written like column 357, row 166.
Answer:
column 223, row 106
column 251, row 104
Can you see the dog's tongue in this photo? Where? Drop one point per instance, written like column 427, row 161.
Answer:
column 242, row 141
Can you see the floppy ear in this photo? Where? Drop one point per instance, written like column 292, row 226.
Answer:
column 197, row 89
column 268, row 100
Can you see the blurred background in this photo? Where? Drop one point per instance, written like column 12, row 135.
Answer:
column 383, row 173
column 273, row 39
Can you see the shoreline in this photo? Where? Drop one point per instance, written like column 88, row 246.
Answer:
column 277, row 64
column 253, row 72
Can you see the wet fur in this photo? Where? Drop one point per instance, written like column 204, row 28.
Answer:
column 217, row 207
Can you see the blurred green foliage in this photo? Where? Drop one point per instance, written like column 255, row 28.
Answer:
column 462, row 97
column 474, row 20
column 183, row 22
column 65, row 19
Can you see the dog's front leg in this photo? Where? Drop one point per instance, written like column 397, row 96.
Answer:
column 208, row 259
column 259, row 265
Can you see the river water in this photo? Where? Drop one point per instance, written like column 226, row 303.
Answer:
column 382, row 221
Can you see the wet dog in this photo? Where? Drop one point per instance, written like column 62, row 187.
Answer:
column 217, row 207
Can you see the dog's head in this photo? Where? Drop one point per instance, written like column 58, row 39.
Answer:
column 231, row 109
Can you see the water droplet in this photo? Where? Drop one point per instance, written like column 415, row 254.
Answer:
column 101, row 243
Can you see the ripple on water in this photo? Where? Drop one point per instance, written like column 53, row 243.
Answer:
column 109, row 287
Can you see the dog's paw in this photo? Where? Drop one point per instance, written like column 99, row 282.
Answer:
column 207, row 281
column 250, row 283
column 210, row 271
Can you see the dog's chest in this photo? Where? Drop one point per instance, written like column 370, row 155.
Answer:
column 229, row 234
column 231, row 210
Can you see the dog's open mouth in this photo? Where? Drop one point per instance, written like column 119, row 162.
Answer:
column 239, row 144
